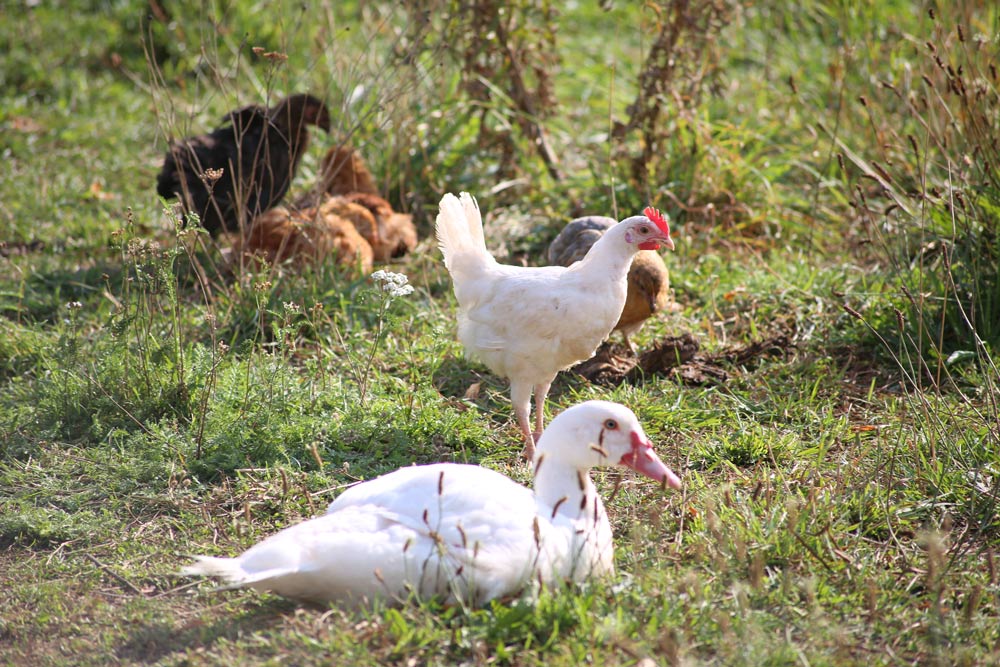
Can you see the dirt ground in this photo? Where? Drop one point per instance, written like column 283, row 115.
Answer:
column 676, row 356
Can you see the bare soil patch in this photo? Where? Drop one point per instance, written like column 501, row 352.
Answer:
column 680, row 357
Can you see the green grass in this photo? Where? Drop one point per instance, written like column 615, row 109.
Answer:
column 840, row 501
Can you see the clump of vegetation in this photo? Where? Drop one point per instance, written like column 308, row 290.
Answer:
column 930, row 192
column 749, row 447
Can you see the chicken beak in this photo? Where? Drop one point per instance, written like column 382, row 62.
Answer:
column 642, row 459
column 655, row 243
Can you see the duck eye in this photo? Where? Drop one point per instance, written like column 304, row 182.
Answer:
column 610, row 424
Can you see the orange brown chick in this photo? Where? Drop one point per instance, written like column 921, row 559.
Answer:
column 342, row 171
column 345, row 178
column 648, row 277
column 362, row 219
column 397, row 235
column 309, row 234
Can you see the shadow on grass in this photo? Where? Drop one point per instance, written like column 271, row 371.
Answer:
column 46, row 293
column 455, row 377
column 376, row 449
column 157, row 640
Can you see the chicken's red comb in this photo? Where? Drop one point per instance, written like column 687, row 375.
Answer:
column 657, row 217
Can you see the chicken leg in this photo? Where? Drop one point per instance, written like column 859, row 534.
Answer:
column 541, row 392
column 629, row 344
column 520, row 397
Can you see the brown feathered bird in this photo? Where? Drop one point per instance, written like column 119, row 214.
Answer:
column 343, row 171
column 363, row 219
column 310, row 234
column 344, row 176
column 396, row 234
column 648, row 278
column 239, row 170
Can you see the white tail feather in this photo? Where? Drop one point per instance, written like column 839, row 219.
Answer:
column 228, row 569
column 460, row 229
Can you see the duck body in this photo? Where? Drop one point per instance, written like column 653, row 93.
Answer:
column 462, row 532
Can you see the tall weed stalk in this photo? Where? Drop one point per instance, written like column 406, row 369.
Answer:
column 929, row 195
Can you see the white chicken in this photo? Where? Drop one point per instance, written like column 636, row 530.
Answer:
column 529, row 323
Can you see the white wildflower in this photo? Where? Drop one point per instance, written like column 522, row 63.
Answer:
column 399, row 290
column 393, row 284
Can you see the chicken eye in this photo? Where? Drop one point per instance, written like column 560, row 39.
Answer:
column 610, row 424
column 644, row 229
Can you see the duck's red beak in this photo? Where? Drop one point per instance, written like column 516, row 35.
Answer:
column 644, row 461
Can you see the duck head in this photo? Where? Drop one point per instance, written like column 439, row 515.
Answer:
column 601, row 433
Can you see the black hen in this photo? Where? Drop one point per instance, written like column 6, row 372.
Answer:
column 257, row 150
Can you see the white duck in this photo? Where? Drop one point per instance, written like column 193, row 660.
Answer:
column 466, row 533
